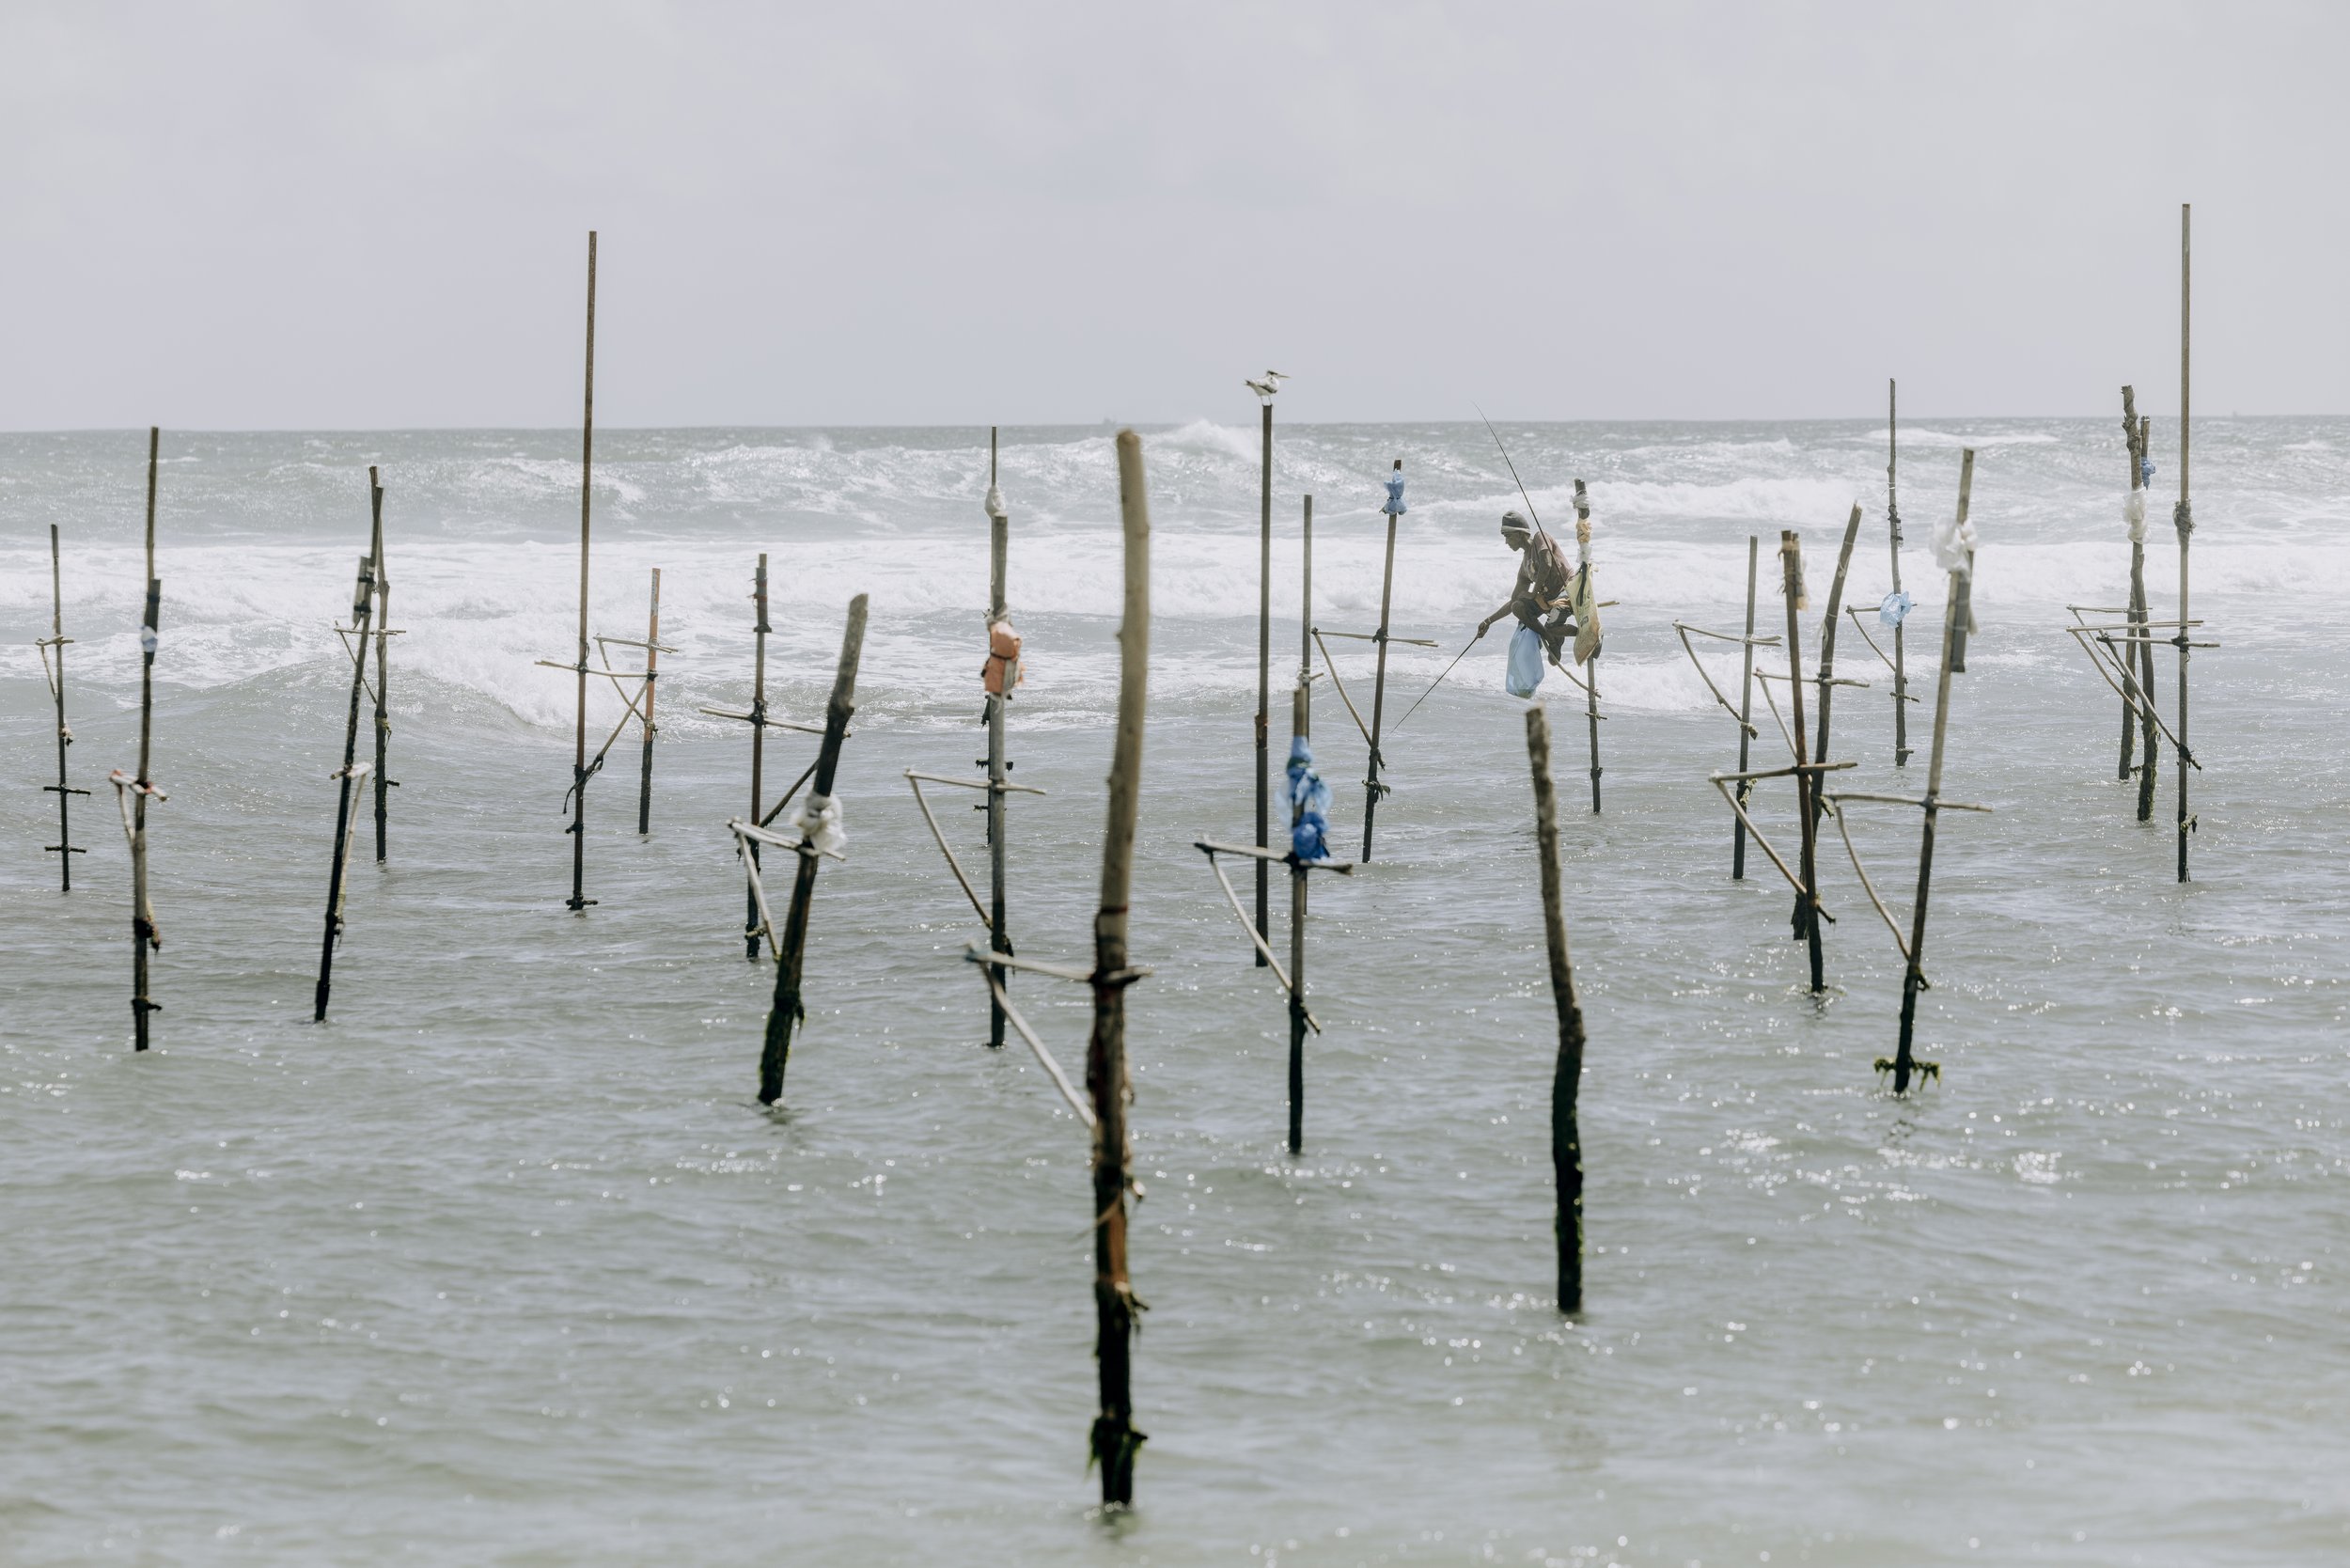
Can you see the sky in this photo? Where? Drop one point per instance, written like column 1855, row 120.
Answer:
column 303, row 216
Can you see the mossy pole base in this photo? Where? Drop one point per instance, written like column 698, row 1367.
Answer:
column 786, row 1010
column 1114, row 1439
column 1566, row 1140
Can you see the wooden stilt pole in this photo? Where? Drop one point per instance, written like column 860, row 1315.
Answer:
column 1827, row 641
column 652, row 674
column 1264, row 679
column 2144, row 662
column 1893, row 525
column 579, row 901
column 1373, row 789
column 786, row 1010
column 2184, row 517
column 1590, row 610
column 384, row 782
column 1114, row 1437
column 143, row 932
column 1298, row 873
column 1912, row 978
column 1806, row 920
column 65, row 849
column 999, row 768
column 1745, row 716
column 355, row 640
column 2139, row 656
column 759, row 746
column 1566, row 1141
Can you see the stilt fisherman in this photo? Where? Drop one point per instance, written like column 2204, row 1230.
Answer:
column 1542, row 597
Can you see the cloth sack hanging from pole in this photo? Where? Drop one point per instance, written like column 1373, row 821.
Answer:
column 1003, row 670
column 1310, row 806
column 1586, row 617
column 1525, row 661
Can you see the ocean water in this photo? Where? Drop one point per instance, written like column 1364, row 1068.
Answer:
column 504, row 1265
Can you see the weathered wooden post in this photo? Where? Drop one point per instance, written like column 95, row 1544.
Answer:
column 143, row 932
column 65, row 849
column 1898, row 599
column 354, row 637
column 1265, row 390
column 652, row 674
column 1566, row 1141
column 1827, row 638
column 1394, row 507
column 1115, row 1439
column 1955, row 552
column 1807, row 921
column 1746, row 721
column 1587, row 627
column 2137, row 662
column 818, row 823
column 384, row 783
column 759, row 743
column 1299, row 733
column 2183, row 518
column 579, row 902
column 998, row 712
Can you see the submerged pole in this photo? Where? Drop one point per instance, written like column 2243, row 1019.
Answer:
column 1264, row 679
column 1566, row 1141
column 384, row 782
column 652, row 672
column 818, row 820
column 1372, row 787
column 1913, row 978
column 2184, row 518
column 1114, row 1437
column 579, row 900
column 1893, row 525
column 1807, row 921
column 998, row 712
column 1745, row 717
column 758, row 749
column 65, row 849
column 143, row 932
column 362, row 604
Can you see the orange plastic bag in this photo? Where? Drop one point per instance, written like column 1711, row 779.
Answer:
column 1003, row 670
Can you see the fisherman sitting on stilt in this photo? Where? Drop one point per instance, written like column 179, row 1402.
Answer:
column 1543, row 598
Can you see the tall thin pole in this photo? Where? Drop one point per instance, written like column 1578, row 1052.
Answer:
column 65, row 848
column 1912, row 978
column 1566, row 1140
column 652, row 676
column 999, row 711
column 1265, row 683
column 1807, row 922
column 143, row 932
column 1114, row 1437
column 1746, row 718
column 2147, row 779
column 1372, row 787
column 786, row 1010
column 1302, row 729
column 1827, row 641
column 362, row 602
column 579, row 900
column 2138, row 691
column 2184, row 517
column 1893, row 527
column 758, row 749
column 1591, row 612
column 382, row 671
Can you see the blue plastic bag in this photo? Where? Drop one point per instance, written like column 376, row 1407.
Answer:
column 1309, row 805
column 1525, row 661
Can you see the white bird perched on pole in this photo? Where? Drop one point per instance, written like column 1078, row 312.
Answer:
column 1267, row 387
